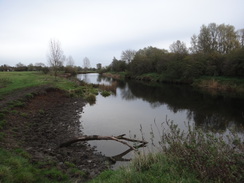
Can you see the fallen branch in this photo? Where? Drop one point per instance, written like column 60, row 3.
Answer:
column 119, row 138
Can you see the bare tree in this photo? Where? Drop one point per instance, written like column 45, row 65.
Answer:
column 241, row 37
column 70, row 61
column 56, row 56
column 194, row 46
column 179, row 47
column 128, row 55
column 86, row 63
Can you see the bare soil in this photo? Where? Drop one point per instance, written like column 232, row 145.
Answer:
column 48, row 118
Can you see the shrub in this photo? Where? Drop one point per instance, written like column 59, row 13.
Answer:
column 91, row 98
column 105, row 93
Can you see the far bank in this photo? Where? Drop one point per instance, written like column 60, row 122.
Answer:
column 225, row 85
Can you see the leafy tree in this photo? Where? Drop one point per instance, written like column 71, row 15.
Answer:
column 204, row 40
column 234, row 64
column 118, row 65
column 194, row 66
column 162, row 64
column 215, row 38
column 99, row 66
column 146, row 60
column 214, row 64
column 227, row 39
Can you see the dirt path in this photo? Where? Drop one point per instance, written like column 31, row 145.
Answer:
column 49, row 118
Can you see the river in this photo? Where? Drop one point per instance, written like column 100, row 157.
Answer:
column 140, row 109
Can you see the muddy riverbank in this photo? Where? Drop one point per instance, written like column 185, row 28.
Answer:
column 44, row 118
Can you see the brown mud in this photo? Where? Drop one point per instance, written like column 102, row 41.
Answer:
column 47, row 118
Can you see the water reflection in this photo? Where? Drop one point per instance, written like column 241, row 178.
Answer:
column 136, row 104
column 212, row 112
column 207, row 111
column 94, row 78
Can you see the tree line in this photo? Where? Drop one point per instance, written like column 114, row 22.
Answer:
column 56, row 60
column 218, row 50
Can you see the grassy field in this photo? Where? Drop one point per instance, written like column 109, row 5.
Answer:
column 11, row 81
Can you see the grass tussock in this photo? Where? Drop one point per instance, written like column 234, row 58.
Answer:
column 192, row 156
column 221, row 84
column 110, row 88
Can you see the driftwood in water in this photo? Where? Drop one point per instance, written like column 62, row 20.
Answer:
column 119, row 157
column 119, row 138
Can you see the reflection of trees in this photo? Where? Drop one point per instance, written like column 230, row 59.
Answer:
column 214, row 121
column 127, row 94
column 155, row 104
column 86, row 78
column 209, row 112
column 101, row 78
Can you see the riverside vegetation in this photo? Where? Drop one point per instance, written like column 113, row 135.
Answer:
column 215, row 60
column 191, row 156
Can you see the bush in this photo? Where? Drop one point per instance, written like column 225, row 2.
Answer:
column 71, row 70
column 105, row 93
column 91, row 99
column 45, row 70
column 234, row 64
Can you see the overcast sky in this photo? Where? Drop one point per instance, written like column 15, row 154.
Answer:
column 102, row 29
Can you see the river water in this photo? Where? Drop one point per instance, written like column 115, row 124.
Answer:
column 139, row 110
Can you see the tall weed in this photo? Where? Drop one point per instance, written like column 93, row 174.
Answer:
column 211, row 157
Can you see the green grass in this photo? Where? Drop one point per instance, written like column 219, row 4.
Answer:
column 21, row 80
column 153, row 168
column 16, row 167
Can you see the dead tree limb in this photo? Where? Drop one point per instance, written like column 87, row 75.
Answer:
column 119, row 138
